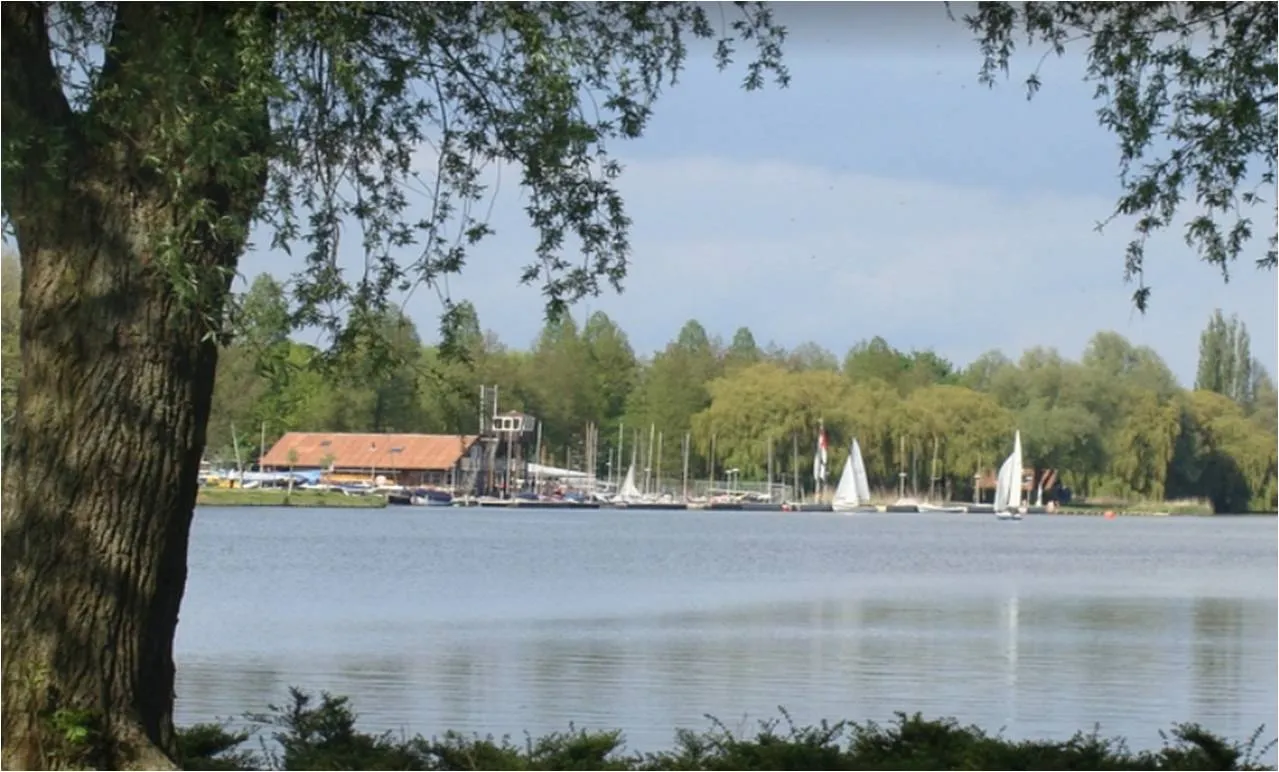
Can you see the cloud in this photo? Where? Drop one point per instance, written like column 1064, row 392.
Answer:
column 802, row 253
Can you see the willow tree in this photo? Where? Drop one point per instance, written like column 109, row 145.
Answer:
column 143, row 143
column 1188, row 89
column 766, row 403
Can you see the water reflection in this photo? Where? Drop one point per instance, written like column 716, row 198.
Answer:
column 1012, row 611
column 230, row 688
column 1223, row 646
column 1070, row 663
column 1043, row 630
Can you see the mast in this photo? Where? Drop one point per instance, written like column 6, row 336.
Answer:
column 235, row 443
column 798, row 492
column 586, row 452
column 648, row 464
column 688, row 442
column 770, row 469
column 932, row 480
column 977, row 482
column 711, row 491
column 914, row 468
column 636, row 456
column 901, row 466
column 506, row 482
column 819, row 463
column 657, row 472
column 537, row 454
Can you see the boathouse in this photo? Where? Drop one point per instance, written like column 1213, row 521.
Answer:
column 449, row 460
column 1031, row 480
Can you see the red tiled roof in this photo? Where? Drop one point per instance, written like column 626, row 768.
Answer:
column 370, row 451
column 988, row 478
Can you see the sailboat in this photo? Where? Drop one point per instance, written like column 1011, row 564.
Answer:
column 853, row 492
column 1008, row 504
column 629, row 492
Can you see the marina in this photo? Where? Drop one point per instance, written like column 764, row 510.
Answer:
column 505, row 467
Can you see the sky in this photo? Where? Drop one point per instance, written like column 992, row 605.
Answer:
column 884, row 192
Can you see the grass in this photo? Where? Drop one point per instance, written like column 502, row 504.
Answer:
column 275, row 497
column 321, row 734
column 1178, row 507
column 1097, row 506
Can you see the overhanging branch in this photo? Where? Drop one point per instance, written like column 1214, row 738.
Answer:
column 35, row 117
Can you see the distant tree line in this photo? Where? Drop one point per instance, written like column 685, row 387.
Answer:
column 1116, row 423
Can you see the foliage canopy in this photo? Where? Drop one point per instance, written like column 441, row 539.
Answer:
column 1188, row 89
column 379, row 116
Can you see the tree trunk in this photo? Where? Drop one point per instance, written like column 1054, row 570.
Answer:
column 102, row 462
column 99, row 487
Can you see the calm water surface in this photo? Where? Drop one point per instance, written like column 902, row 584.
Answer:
column 492, row 621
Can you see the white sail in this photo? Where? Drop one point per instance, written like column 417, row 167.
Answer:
column 859, row 472
column 845, row 497
column 629, row 491
column 1009, row 483
column 854, row 489
column 1015, row 497
column 1003, row 486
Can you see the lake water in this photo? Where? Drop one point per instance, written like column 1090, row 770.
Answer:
column 505, row 621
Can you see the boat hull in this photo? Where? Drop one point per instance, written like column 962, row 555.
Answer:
column 431, row 497
column 797, row 507
column 853, row 509
column 958, row 510
column 649, row 506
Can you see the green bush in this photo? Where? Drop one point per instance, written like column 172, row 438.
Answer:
column 321, row 735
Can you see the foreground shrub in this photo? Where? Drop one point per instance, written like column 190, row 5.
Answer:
column 322, row 736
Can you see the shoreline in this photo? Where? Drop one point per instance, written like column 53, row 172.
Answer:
column 300, row 499
column 310, row 499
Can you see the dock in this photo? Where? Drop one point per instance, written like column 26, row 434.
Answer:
column 517, row 503
column 899, row 507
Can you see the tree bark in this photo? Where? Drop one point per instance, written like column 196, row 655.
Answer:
column 101, row 467
column 99, row 489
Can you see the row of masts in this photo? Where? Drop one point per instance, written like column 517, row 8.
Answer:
column 651, row 469
column 647, row 456
column 644, row 449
